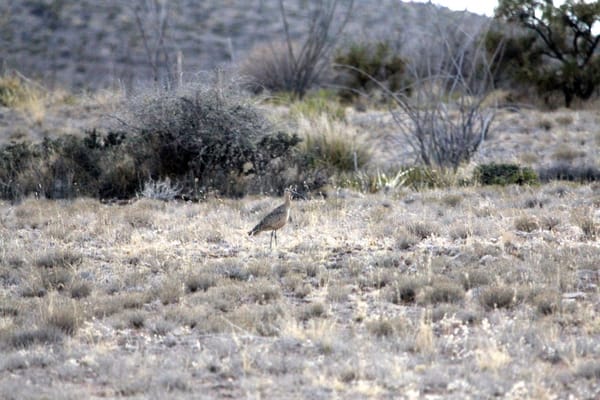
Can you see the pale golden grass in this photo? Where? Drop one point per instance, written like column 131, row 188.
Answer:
column 337, row 305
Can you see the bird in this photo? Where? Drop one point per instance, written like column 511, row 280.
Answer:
column 276, row 219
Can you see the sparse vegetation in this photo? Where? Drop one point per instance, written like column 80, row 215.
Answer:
column 390, row 277
column 504, row 174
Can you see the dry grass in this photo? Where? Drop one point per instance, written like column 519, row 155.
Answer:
column 338, row 284
column 463, row 292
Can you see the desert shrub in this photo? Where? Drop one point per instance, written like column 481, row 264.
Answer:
column 200, row 282
column 58, row 258
column 568, row 172
column 208, row 137
column 498, row 297
column 65, row 316
column 474, row 278
column 361, row 62
column 546, row 303
column 201, row 139
column 380, row 328
column 526, row 223
column 444, row 292
column 404, row 290
column 504, row 174
column 80, row 289
column 95, row 165
column 15, row 158
column 24, row 338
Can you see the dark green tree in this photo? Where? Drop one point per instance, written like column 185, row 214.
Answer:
column 565, row 40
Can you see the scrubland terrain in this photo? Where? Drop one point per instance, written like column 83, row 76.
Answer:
column 463, row 292
column 393, row 279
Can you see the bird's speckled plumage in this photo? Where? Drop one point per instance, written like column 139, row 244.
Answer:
column 276, row 219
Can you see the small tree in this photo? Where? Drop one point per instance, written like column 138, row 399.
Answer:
column 308, row 60
column 152, row 21
column 445, row 120
column 565, row 39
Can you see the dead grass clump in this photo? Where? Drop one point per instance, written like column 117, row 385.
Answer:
column 170, row 291
column 139, row 218
column 264, row 320
column 564, row 120
column 549, row 222
column 546, row 303
column 80, row 289
column 106, row 306
column 27, row 337
column 338, row 293
column 162, row 327
column 404, row 290
column 567, row 154
column 200, row 282
column 422, row 230
column 498, row 297
column 135, row 319
column 475, row 278
column 590, row 229
column 380, row 327
column 545, row 124
column 377, row 278
column 263, row 292
column 65, row 316
column 312, row 310
column 58, row 259
column 589, row 370
column 56, row 278
column 405, row 239
column 443, row 292
column 33, row 288
column 452, row 199
column 526, row 223
column 296, row 285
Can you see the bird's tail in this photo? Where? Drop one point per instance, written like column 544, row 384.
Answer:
column 253, row 231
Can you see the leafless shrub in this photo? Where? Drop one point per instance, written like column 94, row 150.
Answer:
column 445, row 120
column 152, row 21
column 161, row 190
column 301, row 63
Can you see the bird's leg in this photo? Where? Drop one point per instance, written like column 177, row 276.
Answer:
column 271, row 241
column 275, row 232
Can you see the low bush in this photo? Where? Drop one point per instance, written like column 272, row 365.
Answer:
column 363, row 62
column 504, row 174
column 203, row 139
column 568, row 172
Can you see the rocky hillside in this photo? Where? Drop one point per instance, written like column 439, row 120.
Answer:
column 92, row 44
